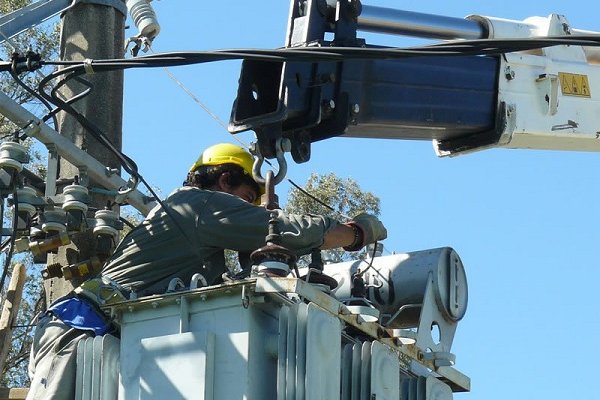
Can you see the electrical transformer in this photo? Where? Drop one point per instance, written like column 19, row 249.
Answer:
column 286, row 338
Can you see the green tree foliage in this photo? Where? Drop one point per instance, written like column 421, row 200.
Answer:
column 45, row 41
column 345, row 199
column 42, row 40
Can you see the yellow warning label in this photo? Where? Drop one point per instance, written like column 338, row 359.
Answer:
column 574, row 85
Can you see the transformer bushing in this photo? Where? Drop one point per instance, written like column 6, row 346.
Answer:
column 273, row 259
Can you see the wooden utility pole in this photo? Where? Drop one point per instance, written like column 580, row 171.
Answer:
column 10, row 310
column 90, row 31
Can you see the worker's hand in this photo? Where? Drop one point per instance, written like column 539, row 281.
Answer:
column 371, row 229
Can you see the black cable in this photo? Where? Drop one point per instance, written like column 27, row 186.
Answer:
column 303, row 191
column 52, row 113
column 370, row 261
column 312, row 54
column 90, row 86
column 126, row 222
column 128, row 164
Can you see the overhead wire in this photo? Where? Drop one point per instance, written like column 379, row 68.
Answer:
column 196, row 99
column 312, row 54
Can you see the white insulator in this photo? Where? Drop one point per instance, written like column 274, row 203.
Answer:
column 144, row 18
column 106, row 230
column 12, row 155
column 76, row 197
column 106, row 220
column 274, row 265
column 26, row 207
column 11, row 163
column 74, row 205
column 27, row 195
column 75, row 191
column 53, row 227
column 106, row 216
column 54, row 221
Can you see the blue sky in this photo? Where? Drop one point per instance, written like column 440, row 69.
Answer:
column 524, row 222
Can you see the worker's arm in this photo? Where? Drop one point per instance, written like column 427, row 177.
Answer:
column 227, row 221
column 340, row 236
column 364, row 229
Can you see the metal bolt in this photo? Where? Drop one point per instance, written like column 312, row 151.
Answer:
column 509, row 74
column 328, row 106
column 285, row 144
column 111, row 171
column 355, row 108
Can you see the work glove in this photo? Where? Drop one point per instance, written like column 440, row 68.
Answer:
column 370, row 228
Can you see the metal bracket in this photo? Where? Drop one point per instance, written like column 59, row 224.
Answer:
column 550, row 86
column 52, row 172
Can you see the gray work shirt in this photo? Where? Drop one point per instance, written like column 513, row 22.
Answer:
column 156, row 251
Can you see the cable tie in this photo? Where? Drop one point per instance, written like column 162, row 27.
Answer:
column 87, row 65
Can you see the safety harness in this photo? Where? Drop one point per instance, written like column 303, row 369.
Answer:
column 81, row 308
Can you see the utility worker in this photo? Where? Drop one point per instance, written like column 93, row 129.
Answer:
column 213, row 211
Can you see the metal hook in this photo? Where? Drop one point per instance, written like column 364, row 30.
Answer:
column 271, row 199
column 282, row 145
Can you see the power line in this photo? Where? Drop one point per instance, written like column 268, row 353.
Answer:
column 200, row 103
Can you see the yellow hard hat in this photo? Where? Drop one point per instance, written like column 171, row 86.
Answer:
column 227, row 153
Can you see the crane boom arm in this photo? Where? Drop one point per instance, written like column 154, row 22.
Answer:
column 542, row 97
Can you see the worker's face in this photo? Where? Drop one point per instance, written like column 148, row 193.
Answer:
column 244, row 192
